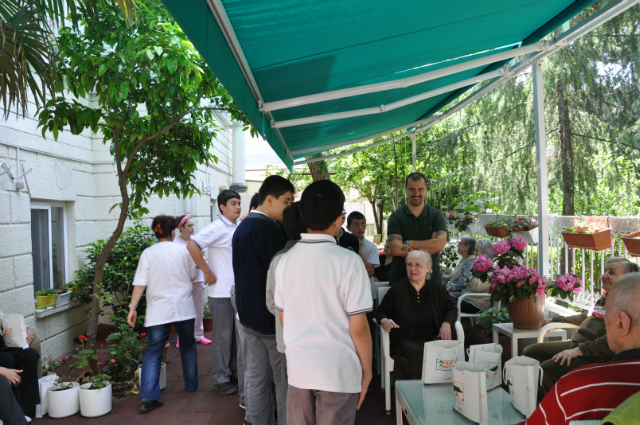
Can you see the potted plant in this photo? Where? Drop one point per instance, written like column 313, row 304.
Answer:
column 464, row 216
column 42, row 300
column 524, row 226
column 587, row 235
column 498, row 228
column 51, row 301
column 632, row 243
column 63, row 295
column 565, row 286
column 95, row 396
column 520, row 288
column 207, row 321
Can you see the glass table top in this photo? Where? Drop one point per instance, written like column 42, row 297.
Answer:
column 433, row 404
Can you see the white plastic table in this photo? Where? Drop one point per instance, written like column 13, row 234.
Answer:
column 433, row 405
column 516, row 334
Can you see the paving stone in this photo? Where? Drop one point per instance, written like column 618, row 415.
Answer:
column 177, row 419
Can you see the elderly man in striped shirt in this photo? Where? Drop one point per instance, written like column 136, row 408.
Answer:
column 593, row 391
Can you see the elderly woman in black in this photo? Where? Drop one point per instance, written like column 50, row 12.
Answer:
column 415, row 310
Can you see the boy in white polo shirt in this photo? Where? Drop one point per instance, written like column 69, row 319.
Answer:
column 323, row 294
column 217, row 237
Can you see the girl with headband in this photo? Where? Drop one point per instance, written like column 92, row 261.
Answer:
column 187, row 228
column 166, row 271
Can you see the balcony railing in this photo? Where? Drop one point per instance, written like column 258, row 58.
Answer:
column 587, row 265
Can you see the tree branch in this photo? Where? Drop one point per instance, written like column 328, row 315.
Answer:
column 605, row 140
column 165, row 130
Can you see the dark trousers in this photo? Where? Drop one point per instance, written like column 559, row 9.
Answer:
column 152, row 361
column 26, row 360
column 10, row 412
column 553, row 371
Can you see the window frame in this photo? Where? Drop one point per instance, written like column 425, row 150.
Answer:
column 47, row 206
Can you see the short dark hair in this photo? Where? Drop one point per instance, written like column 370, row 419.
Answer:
column 356, row 215
column 415, row 177
column 275, row 186
column 224, row 196
column 321, row 204
column 163, row 225
column 292, row 221
column 255, row 201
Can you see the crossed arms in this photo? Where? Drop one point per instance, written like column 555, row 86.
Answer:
column 434, row 245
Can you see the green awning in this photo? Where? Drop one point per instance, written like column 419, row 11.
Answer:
column 284, row 49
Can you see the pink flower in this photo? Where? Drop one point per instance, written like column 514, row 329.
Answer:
column 482, row 264
column 501, row 247
column 519, row 243
column 143, row 334
column 540, row 291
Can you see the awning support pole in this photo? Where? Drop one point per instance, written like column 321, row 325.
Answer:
column 541, row 168
column 413, row 151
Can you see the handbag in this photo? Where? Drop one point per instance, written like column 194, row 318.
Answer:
column 438, row 360
column 490, row 357
column 470, row 392
column 14, row 331
column 522, row 375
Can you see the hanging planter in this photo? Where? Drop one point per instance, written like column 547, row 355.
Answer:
column 527, row 313
column 95, row 402
column 498, row 232
column 473, row 228
column 531, row 236
column 597, row 241
column 632, row 243
column 63, row 402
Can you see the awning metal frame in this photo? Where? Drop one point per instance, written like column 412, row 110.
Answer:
column 605, row 14
column 219, row 12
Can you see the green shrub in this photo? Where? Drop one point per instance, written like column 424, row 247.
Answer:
column 119, row 270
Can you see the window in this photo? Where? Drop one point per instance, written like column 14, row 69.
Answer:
column 49, row 247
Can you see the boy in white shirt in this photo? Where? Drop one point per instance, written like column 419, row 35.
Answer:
column 357, row 224
column 323, row 295
column 217, row 238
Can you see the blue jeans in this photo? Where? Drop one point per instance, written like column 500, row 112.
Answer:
column 152, row 361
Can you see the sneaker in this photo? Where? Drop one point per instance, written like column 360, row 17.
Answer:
column 242, row 405
column 226, row 388
column 177, row 344
column 148, row 406
column 204, row 341
column 28, row 419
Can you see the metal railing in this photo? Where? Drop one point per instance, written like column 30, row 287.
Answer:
column 587, row 265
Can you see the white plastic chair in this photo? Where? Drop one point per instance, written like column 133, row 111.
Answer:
column 552, row 326
column 471, row 316
column 387, row 363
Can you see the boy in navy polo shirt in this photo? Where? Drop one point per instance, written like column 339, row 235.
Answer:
column 255, row 242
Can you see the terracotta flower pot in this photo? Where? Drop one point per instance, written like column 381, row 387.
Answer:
column 498, row 232
column 527, row 314
column 595, row 241
column 207, row 324
column 632, row 243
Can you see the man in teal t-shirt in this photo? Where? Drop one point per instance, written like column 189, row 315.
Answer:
column 416, row 226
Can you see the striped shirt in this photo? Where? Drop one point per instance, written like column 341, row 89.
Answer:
column 590, row 392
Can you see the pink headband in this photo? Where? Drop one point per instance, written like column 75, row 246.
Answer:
column 184, row 220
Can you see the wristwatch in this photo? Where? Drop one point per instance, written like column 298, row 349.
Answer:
column 406, row 242
column 133, row 307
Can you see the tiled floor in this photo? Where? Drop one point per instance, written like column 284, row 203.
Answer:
column 204, row 406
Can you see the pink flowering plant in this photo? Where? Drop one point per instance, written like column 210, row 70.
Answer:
column 565, row 286
column 49, row 367
column 482, row 267
column 585, row 227
column 510, row 280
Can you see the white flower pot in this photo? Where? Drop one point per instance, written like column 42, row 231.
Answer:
column 61, row 404
column 63, row 298
column 95, row 402
column 474, row 228
column 530, row 236
column 163, row 376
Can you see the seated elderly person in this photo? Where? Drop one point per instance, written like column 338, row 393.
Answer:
column 593, row 391
column 415, row 310
column 589, row 343
column 466, row 249
column 20, row 368
column 473, row 285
